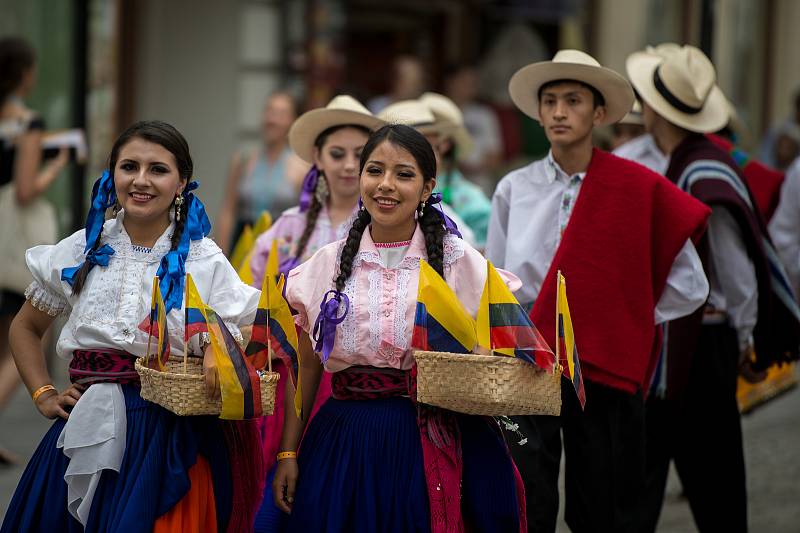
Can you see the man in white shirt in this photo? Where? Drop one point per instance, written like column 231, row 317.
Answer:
column 697, row 422
column 784, row 228
column 622, row 236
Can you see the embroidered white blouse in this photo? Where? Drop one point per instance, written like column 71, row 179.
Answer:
column 116, row 299
column 378, row 328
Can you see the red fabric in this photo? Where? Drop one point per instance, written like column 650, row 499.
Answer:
column 764, row 182
column 626, row 228
column 247, row 472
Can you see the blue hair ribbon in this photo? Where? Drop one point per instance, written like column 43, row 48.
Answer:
column 103, row 197
column 324, row 333
column 172, row 270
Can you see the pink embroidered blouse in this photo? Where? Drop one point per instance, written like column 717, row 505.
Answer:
column 287, row 230
column 378, row 328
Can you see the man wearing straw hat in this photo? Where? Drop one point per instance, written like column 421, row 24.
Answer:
column 594, row 217
column 641, row 147
column 697, row 421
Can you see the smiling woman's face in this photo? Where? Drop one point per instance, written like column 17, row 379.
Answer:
column 146, row 179
column 392, row 187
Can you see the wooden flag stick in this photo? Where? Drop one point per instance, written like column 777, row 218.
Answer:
column 558, row 323
column 185, row 324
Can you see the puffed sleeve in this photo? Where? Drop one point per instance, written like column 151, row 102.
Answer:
column 297, row 294
column 309, row 282
column 47, row 292
column 235, row 301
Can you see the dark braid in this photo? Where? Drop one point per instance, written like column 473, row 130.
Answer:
column 311, row 222
column 432, row 226
column 434, row 231
column 179, row 225
column 350, row 248
column 83, row 272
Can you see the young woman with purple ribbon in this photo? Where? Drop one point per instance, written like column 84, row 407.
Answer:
column 113, row 461
column 372, row 459
column 331, row 138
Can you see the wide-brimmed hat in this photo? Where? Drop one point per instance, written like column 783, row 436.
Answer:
column 411, row 113
column 634, row 116
column 571, row 65
column 343, row 110
column 449, row 117
column 680, row 85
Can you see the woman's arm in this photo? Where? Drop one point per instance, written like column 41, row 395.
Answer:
column 285, row 480
column 29, row 180
column 225, row 220
column 25, row 338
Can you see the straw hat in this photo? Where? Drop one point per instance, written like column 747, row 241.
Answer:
column 634, row 116
column 411, row 113
column 343, row 110
column 447, row 115
column 571, row 65
column 680, row 85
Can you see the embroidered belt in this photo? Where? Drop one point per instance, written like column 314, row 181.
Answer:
column 102, row 366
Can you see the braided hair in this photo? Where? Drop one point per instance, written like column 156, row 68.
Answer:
column 316, row 206
column 430, row 222
column 166, row 136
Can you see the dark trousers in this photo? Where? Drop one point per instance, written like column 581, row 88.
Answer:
column 701, row 432
column 604, row 453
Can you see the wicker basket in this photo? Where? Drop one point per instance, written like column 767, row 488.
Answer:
column 184, row 393
column 488, row 385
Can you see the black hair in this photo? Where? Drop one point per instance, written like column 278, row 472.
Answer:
column 166, row 136
column 430, row 222
column 16, row 58
column 316, row 206
column 597, row 96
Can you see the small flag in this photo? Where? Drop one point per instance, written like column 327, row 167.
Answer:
column 242, row 247
column 245, row 272
column 565, row 340
column 441, row 323
column 155, row 325
column 194, row 320
column 263, row 223
column 274, row 328
column 239, row 382
column 504, row 328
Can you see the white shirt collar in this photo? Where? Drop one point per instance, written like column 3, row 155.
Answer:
column 553, row 170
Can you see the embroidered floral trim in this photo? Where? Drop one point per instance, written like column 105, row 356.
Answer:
column 374, row 296
column 44, row 300
column 348, row 327
column 400, row 323
column 400, row 244
column 453, row 249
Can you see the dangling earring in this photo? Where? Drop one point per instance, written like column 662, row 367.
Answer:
column 421, row 209
column 115, row 210
column 178, row 205
column 321, row 192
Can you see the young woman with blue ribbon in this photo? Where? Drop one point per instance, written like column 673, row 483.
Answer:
column 113, row 461
column 372, row 460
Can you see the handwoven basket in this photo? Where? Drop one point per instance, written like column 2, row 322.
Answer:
column 184, row 393
column 489, row 385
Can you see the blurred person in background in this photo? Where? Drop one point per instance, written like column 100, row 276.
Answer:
column 480, row 120
column 264, row 179
column 787, row 145
column 331, row 139
column 408, row 81
column 769, row 148
column 784, row 228
column 24, row 177
column 453, row 143
column 630, row 140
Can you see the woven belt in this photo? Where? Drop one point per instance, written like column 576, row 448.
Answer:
column 102, row 366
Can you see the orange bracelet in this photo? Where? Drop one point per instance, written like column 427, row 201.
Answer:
column 41, row 390
column 287, row 455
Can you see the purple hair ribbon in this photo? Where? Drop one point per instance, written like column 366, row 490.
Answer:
column 435, row 201
column 324, row 333
column 309, row 188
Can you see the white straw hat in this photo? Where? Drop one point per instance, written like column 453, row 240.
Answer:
column 343, row 110
column 410, row 113
column 680, row 85
column 571, row 65
column 449, row 117
column 634, row 116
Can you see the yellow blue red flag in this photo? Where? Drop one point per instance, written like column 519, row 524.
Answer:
column 155, row 325
column 565, row 341
column 441, row 324
column 504, row 328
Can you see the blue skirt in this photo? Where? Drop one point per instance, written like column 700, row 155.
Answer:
column 160, row 449
column 361, row 470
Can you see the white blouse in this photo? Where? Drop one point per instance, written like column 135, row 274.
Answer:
column 116, row 299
